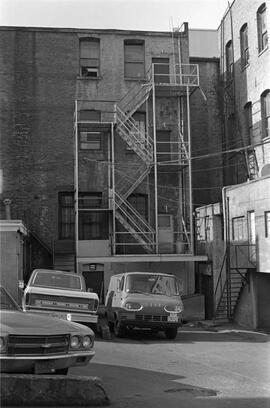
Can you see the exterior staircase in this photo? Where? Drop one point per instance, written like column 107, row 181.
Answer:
column 230, row 294
column 125, row 184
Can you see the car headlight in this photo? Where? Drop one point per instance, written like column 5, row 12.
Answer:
column 133, row 306
column 3, row 344
column 75, row 342
column 87, row 342
column 173, row 308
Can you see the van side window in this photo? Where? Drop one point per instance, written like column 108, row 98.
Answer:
column 121, row 285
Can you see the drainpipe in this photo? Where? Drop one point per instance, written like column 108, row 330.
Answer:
column 7, row 203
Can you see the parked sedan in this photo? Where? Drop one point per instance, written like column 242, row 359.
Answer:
column 34, row 343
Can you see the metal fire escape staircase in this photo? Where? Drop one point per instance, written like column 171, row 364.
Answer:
column 232, row 279
column 126, row 182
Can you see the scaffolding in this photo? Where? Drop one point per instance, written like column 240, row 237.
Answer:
column 130, row 231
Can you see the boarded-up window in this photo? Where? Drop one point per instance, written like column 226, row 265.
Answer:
column 90, row 57
column 66, row 216
column 90, row 115
column 134, row 59
column 90, row 140
column 163, row 146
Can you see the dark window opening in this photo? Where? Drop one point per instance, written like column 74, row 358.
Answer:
column 265, row 113
column 66, row 216
column 229, row 61
column 244, row 45
column 262, row 28
column 163, row 146
column 161, row 70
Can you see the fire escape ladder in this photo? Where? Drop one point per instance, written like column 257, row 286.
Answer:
column 252, row 164
column 134, row 223
column 182, row 149
column 135, row 98
column 126, row 184
column 135, row 139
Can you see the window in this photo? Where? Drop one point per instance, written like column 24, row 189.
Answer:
column 134, row 59
column 251, row 227
column 89, row 57
column 93, row 221
column 239, row 232
column 265, row 113
column 163, row 146
column 66, row 216
column 140, row 123
column 90, row 140
column 229, row 61
column 267, row 223
column 248, row 122
column 161, row 70
column 262, row 28
column 244, row 45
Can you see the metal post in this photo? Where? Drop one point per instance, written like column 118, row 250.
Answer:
column 190, row 177
column 113, row 188
column 180, row 184
column 155, row 155
column 76, row 189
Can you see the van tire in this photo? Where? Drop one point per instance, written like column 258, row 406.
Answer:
column 171, row 333
column 118, row 328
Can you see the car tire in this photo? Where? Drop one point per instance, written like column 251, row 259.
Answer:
column 61, row 371
column 118, row 329
column 171, row 333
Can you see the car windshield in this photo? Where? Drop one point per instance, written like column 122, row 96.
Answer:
column 57, row 280
column 6, row 301
column 151, row 283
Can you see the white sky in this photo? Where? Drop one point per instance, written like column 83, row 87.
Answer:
column 149, row 15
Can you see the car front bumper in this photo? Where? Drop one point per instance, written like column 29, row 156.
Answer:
column 43, row 364
column 66, row 315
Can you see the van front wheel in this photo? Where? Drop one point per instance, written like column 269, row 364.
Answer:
column 118, row 329
column 171, row 333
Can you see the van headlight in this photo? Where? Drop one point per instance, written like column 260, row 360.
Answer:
column 133, row 306
column 173, row 308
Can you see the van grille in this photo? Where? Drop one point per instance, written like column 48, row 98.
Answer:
column 150, row 318
column 38, row 345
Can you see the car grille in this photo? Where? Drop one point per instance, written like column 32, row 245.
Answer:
column 150, row 318
column 38, row 345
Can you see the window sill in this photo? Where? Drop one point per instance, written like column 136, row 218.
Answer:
column 89, row 78
column 263, row 51
column 136, row 79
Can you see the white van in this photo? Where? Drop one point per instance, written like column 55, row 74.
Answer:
column 144, row 300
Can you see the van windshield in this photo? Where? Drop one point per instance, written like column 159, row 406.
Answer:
column 152, row 284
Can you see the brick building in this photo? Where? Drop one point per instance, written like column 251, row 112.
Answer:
column 96, row 147
column 234, row 234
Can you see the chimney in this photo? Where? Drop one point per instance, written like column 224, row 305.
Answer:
column 7, row 203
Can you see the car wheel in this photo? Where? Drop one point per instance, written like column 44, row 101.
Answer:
column 171, row 333
column 61, row 371
column 118, row 329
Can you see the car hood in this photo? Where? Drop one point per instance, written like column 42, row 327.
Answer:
column 18, row 322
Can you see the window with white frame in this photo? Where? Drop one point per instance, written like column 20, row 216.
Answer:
column 239, row 229
column 262, row 28
column 267, row 223
column 251, row 227
column 134, row 59
column 90, row 57
column 244, row 45
column 265, row 113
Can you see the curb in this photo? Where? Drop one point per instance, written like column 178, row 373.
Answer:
column 52, row 390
